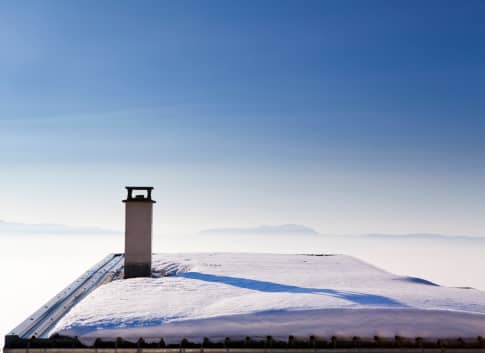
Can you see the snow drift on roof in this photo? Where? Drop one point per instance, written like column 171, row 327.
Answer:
column 237, row 295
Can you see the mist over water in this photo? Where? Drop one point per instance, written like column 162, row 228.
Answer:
column 35, row 267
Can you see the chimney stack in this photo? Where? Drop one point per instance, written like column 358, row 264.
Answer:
column 138, row 232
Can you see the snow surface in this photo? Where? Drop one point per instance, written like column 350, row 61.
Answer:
column 237, row 295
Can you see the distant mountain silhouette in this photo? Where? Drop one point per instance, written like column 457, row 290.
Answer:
column 42, row 228
column 285, row 229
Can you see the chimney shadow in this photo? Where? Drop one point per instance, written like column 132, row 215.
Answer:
column 272, row 287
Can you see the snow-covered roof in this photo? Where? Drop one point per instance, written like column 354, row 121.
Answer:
column 237, row 295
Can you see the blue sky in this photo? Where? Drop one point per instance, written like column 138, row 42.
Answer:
column 347, row 116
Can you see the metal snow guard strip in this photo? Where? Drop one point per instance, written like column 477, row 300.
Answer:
column 242, row 350
column 40, row 322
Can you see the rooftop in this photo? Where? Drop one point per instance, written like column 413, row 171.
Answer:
column 200, row 298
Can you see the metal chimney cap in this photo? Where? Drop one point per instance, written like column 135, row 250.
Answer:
column 139, row 198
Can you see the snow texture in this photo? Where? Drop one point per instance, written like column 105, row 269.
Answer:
column 237, row 295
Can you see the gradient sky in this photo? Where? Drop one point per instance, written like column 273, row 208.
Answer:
column 346, row 116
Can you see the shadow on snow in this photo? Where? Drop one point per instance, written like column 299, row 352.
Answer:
column 271, row 287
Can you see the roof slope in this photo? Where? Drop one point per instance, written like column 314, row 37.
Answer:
column 236, row 295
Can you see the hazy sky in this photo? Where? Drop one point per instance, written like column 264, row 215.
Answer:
column 346, row 116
